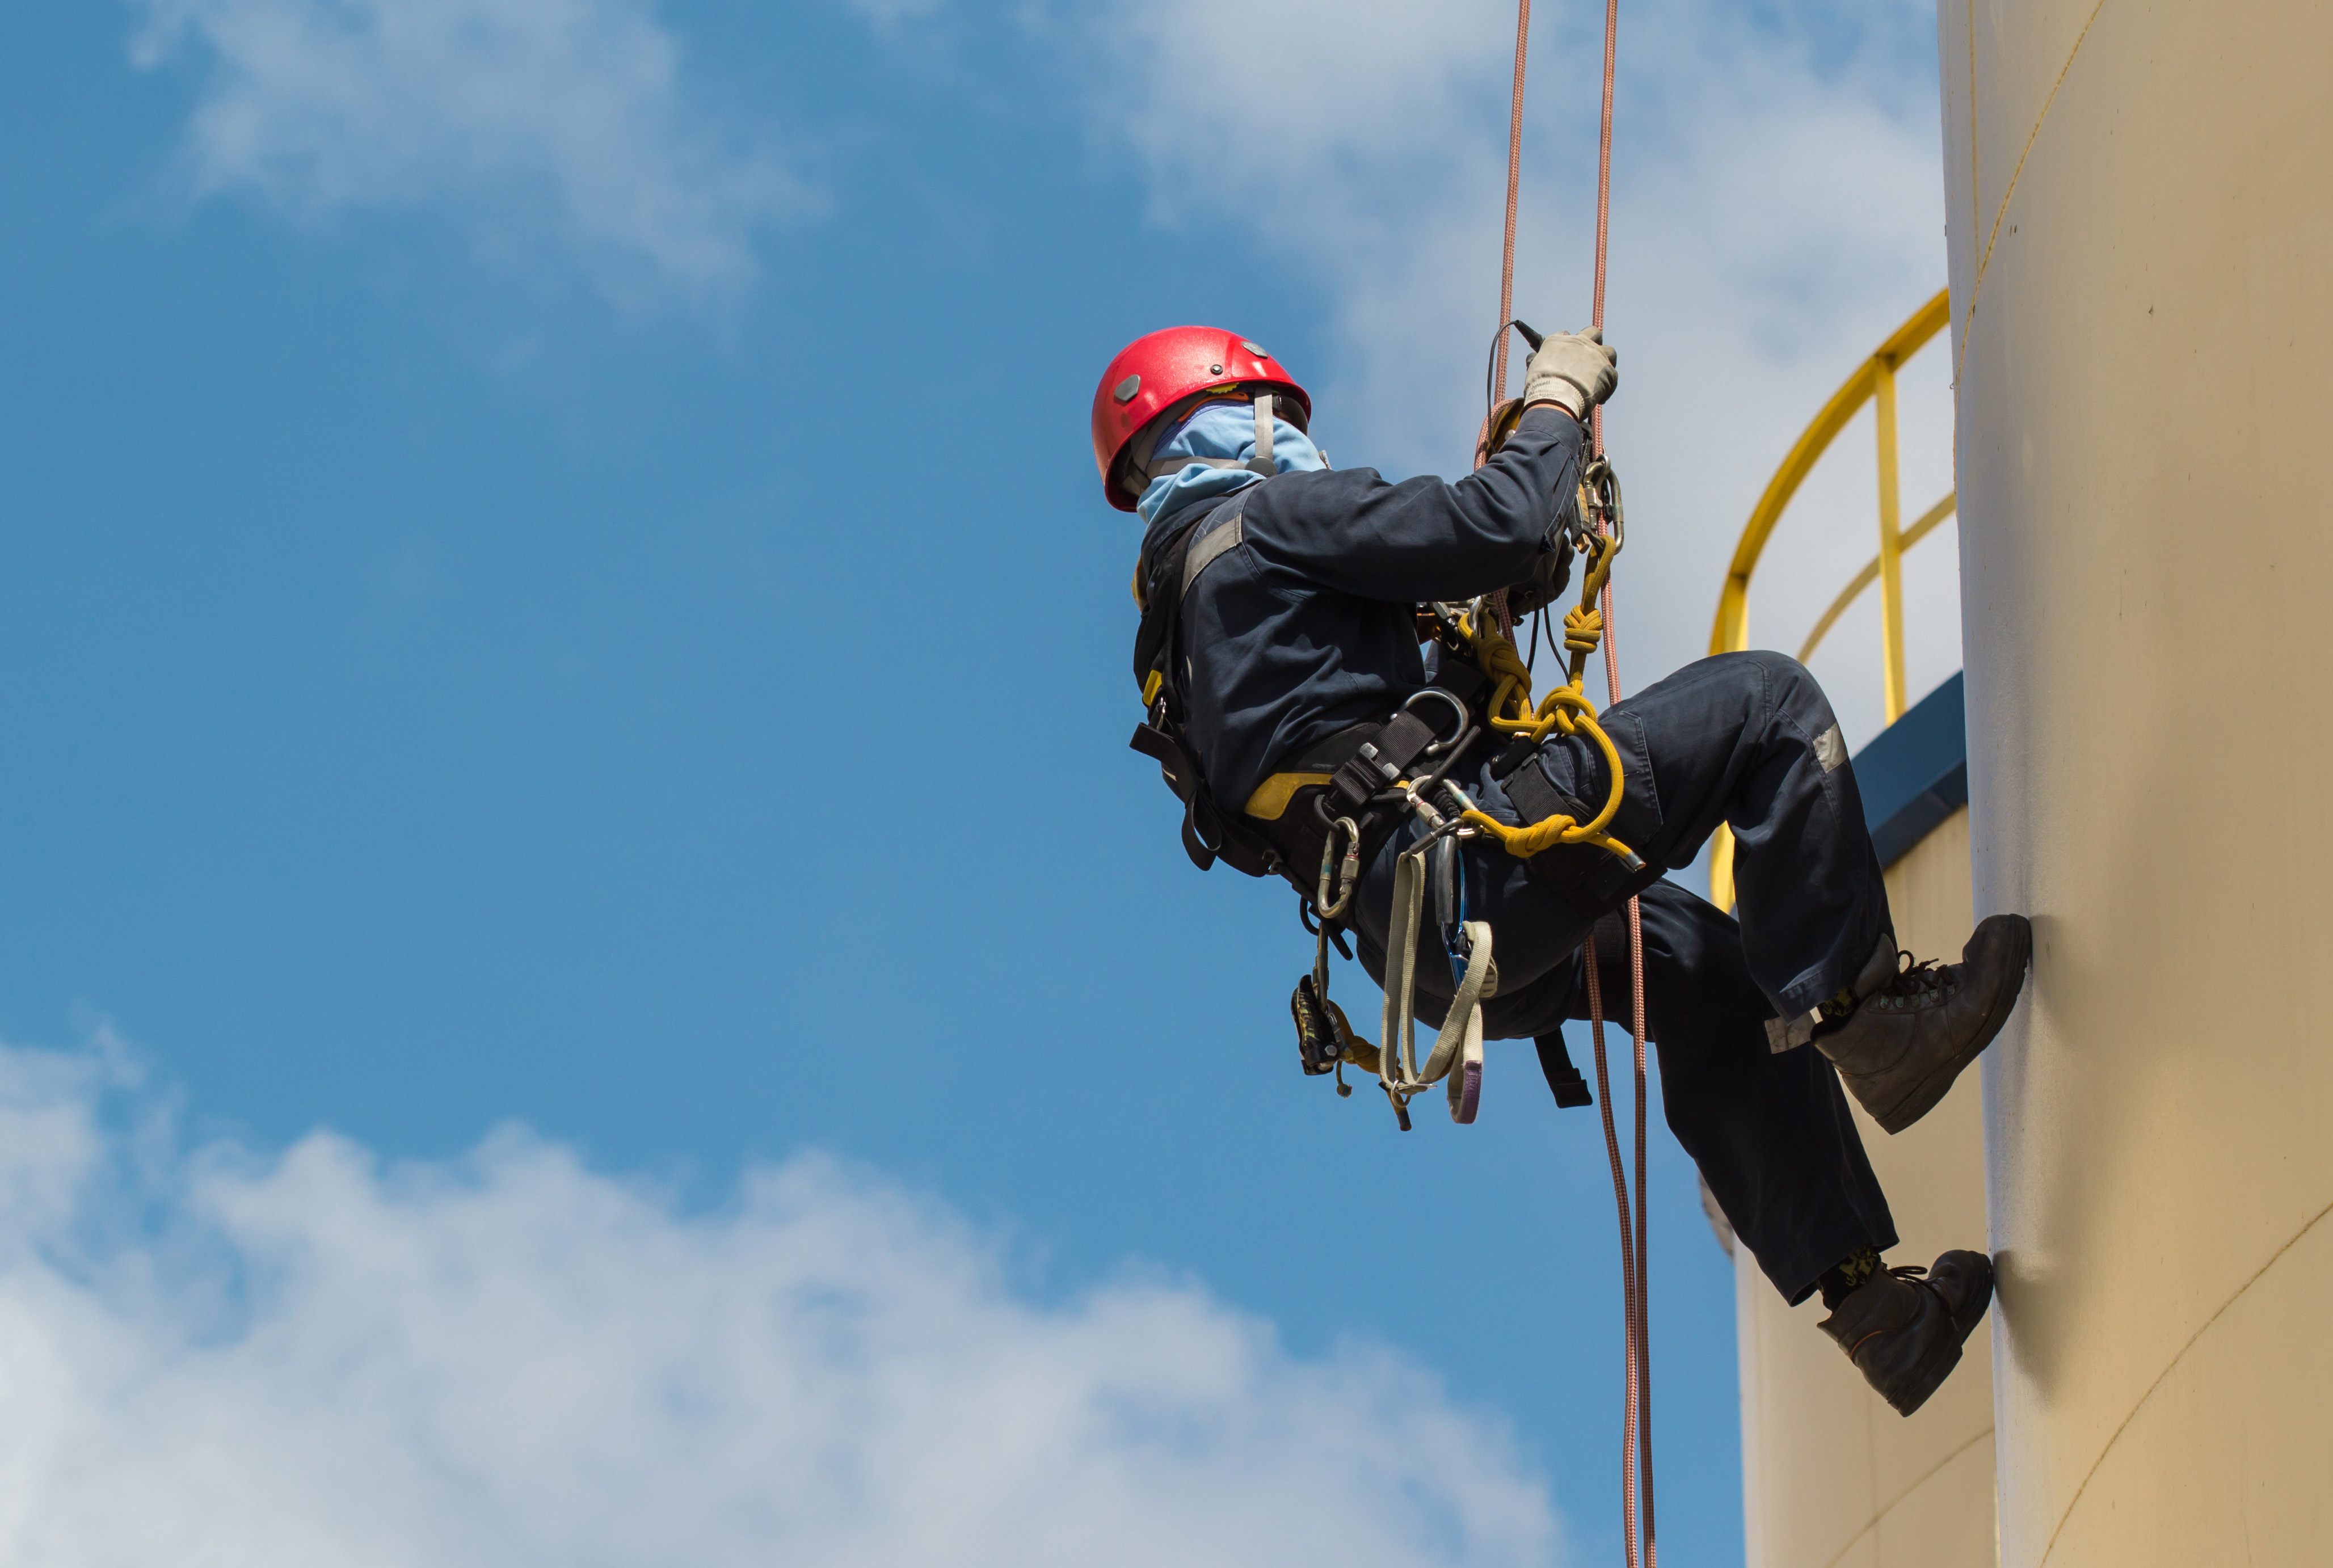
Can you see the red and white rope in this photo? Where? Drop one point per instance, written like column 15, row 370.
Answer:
column 1637, row 1450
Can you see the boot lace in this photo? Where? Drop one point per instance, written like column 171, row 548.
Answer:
column 1917, row 982
column 1911, row 1274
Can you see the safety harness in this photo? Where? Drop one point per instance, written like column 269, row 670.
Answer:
column 1328, row 811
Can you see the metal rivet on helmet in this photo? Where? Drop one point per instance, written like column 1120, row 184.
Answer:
column 1215, row 370
column 1125, row 390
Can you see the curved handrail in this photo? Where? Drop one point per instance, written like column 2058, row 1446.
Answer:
column 1870, row 574
column 1729, row 633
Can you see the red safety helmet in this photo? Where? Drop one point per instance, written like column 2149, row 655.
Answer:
column 1167, row 373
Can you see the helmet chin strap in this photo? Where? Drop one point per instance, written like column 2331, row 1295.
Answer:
column 1262, row 463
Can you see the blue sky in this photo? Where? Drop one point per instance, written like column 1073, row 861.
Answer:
column 563, row 673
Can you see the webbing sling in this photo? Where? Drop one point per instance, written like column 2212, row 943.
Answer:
column 1457, row 1054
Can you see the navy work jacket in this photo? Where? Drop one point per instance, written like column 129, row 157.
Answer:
column 1307, row 626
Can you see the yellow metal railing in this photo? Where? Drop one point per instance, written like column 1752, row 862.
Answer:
column 1874, row 379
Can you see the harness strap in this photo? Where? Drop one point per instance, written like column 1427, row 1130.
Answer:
column 1262, row 463
column 1590, row 879
column 1207, row 833
column 1569, row 1088
column 1381, row 763
column 1169, row 575
column 1212, row 547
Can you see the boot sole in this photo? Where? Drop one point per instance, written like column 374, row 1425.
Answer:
column 1977, row 1305
column 1932, row 1377
column 1932, row 1089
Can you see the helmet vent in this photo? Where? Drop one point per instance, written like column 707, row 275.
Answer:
column 1255, row 350
column 1125, row 390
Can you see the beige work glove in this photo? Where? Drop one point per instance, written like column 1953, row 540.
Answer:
column 1573, row 370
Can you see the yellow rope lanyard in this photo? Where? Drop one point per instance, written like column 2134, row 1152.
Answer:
column 1564, row 709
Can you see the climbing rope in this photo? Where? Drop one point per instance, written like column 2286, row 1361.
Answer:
column 1637, row 1464
column 1568, row 711
column 1514, row 198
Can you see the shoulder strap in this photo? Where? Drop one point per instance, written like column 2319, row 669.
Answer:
column 1173, row 574
column 1207, row 833
column 1205, row 553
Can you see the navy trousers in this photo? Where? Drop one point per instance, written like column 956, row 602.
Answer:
column 1748, row 740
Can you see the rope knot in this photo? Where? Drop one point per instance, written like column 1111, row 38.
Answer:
column 1583, row 629
column 1497, row 657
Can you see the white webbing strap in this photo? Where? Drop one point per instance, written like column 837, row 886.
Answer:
column 1167, row 465
column 1397, row 1049
column 1466, row 1080
column 1153, row 470
column 1460, row 1042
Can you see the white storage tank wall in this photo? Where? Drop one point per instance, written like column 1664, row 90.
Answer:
column 2140, row 206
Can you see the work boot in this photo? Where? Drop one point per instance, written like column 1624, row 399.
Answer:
column 1904, row 1333
column 1910, row 1028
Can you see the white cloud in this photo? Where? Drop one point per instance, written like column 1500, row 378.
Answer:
column 1777, row 210
column 563, row 117
column 217, row 1357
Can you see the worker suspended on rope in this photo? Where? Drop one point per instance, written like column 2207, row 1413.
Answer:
column 1329, row 699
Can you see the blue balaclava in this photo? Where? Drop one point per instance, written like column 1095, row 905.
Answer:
column 1220, row 430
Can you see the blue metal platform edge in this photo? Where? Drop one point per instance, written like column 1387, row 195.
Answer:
column 1915, row 773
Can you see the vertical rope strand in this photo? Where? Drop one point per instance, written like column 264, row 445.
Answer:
column 1640, row 1332
column 1636, row 1434
column 1498, row 600
column 1637, row 1471
column 1637, row 1463
column 1604, row 186
column 1627, row 1260
column 1515, row 196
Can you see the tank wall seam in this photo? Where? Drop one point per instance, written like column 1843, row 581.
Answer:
column 1984, row 259
column 1879, row 1516
column 2169, row 1368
